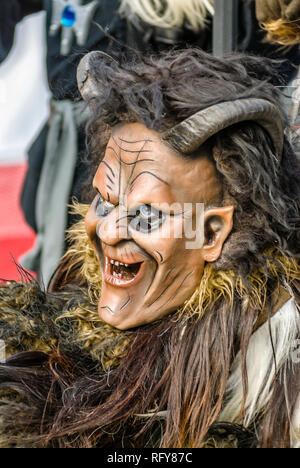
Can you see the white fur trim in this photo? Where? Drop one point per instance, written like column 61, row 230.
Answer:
column 285, row 328
column 295, row 429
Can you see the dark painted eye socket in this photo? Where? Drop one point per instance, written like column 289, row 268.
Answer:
column 103, row 207
column 147, row 219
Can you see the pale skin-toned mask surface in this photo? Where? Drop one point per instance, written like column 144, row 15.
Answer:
column 147, row 196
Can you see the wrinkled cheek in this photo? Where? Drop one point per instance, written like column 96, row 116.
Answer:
column 176, row 247
column 180, row 257
column 163, row 242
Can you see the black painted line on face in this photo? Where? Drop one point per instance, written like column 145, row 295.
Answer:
column 120, row 219
column 128, row 251
column 153, row 276
column 148, row 257
column 108, row 308
column 134, row 166
column 110, row 179
column 126, row 303
column 160, row 255
column 164, row 291
column 131, row 151
column 150, row 173
column 108, row 166
column 125, row 163
column 168, row 274
column 135, row 141
column 178, row 289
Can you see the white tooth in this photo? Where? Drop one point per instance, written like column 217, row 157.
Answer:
column 117, row 263
column 121, row 264
column 126, row 264
column 112, row 262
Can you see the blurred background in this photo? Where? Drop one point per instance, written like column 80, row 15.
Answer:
column 24, row 108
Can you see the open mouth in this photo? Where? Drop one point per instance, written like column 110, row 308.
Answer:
column 121, row 274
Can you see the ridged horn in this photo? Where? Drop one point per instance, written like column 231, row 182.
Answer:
column 187, row 136
column 88, row 85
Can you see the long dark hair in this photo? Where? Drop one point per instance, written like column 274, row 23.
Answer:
column 69, row 405
column 169, row 388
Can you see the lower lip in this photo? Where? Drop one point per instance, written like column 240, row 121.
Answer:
column 119, row 282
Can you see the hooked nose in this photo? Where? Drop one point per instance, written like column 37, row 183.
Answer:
column 114, row 227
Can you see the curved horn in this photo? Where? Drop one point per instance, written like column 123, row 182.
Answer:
column 88, row 85
column 187, row 136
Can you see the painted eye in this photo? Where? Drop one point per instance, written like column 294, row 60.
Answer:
column 103, row 207
column 147, row 219
column 145, row 211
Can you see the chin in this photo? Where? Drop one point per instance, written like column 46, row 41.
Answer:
column 117, row 319
column 130, row 319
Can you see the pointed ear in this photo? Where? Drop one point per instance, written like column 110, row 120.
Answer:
column 217, row 227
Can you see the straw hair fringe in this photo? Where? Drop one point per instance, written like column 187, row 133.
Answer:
column 282, row 32
column 227, row 285
column 67, row 320
column 82, row 253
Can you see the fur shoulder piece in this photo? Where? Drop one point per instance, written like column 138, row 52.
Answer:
column 31, row 319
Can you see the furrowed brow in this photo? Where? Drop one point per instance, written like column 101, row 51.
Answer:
column 150, row 173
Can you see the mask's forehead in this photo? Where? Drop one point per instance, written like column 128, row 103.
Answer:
column 138, row 166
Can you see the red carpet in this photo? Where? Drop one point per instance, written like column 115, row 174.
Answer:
column 16, row 237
